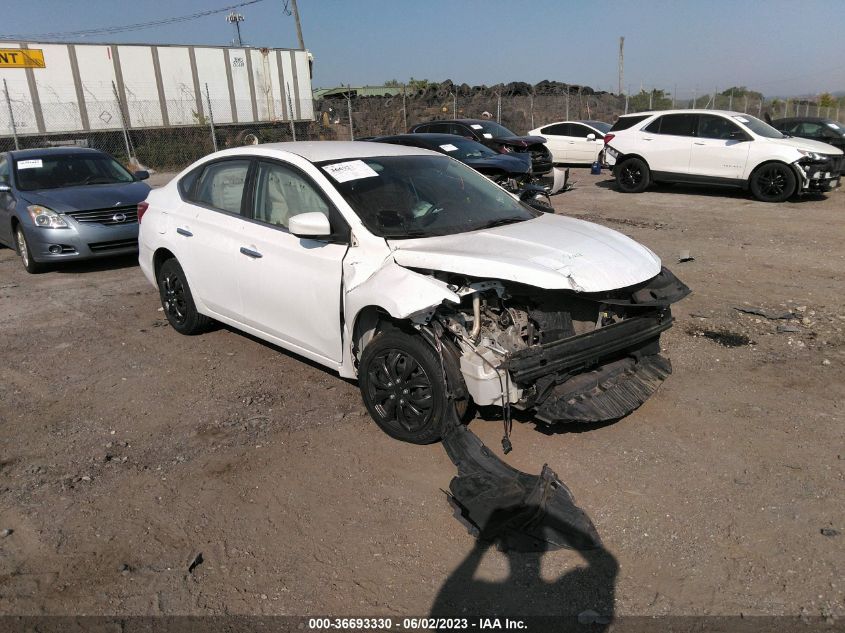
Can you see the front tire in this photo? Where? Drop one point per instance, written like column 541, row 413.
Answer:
column 632, row 175
column 22, row 247
column 403, row 386
column 177, row 300
column 773, row 182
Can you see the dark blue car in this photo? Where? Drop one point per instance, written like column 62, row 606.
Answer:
column 65, row 203
column 498, row 167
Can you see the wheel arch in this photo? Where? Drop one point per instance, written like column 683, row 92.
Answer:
column 799, row 176
column 160, row 256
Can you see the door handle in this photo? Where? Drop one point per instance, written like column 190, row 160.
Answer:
column 697, row 143
column 251, row 253
column 184, row 232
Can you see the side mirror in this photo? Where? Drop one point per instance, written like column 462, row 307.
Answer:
column 738, row 135
column 591, row 137
column 142, row 174
column 4, row 188
column 311, row 225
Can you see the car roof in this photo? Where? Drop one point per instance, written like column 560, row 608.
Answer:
column 591, row 123
column 454, row 121
column 318, row 151
column 19, row 154
column 807, row 119
column 685, row 111
column 431, row 137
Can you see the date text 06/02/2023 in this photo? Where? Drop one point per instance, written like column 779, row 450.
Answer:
column 415, row 624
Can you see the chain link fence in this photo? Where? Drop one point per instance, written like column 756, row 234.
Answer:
column 134, row 133
column 347, row 115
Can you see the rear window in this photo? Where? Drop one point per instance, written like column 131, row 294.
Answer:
column 624, row 122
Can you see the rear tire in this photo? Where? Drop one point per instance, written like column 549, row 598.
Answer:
column 22, row 247
column 403, row 386
column 773, row 182
column 632, row 175
column 177, row 300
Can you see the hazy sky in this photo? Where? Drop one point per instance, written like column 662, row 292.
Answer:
column 780, row 47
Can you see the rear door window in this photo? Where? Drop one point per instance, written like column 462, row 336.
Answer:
column 559, row 129
column 221, row 185
column 674, row 125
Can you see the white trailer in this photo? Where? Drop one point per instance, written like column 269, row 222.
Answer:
column 101, row 87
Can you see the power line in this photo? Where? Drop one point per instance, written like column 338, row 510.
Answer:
column 125, row 27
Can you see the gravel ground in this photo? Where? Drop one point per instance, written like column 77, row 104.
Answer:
column 128, row 450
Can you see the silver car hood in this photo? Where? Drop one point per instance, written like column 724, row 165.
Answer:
column 550, row 252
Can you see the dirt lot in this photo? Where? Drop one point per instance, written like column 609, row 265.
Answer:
column 126, row 450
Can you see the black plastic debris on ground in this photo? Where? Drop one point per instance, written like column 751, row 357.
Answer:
column 725, row 338
column 196, row 561
column 767, row 314
column 520, row 512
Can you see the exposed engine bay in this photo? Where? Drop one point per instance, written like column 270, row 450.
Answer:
column 569, row 357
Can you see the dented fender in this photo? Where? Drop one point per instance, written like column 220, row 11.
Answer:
column 401, row 293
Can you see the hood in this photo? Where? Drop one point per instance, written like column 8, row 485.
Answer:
column 508, row 163
column 519, row 141
column 550, row 252
column 85, row 198
column 807, row 144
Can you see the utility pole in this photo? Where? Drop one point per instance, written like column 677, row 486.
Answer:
column 236, row 19
column 295, row 11
column 621, row 62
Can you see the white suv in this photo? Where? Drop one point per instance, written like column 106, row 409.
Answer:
column 720, row 148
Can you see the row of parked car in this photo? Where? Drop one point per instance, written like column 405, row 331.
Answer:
column 94, row 195
column 410, row 271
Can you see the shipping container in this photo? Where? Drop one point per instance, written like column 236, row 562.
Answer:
column 104, row 87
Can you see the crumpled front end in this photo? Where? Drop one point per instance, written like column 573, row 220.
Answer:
column 819, row 173
column 566, row 356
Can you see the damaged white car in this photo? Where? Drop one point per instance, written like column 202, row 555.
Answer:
column 411, row 272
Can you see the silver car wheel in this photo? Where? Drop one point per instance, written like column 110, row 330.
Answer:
column 22, row 249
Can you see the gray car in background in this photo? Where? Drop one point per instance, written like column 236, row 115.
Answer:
column 63, row 203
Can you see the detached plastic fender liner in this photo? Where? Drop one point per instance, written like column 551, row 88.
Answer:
column 521, row 512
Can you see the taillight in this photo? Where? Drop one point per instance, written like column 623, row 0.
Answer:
column 142, row 209
column 608, row 138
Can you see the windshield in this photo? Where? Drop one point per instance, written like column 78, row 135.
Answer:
column 492, row 128
column 68, row 170
column 422, row 196
column 757, row 126
column 462, row 149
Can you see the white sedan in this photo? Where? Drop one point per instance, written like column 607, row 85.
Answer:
column 417, row 275
column 574, row 142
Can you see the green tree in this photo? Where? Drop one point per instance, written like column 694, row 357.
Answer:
column 826, row 100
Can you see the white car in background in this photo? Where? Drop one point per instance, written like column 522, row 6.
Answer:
column 414, row 273
column 718, row 148
column 574, row 142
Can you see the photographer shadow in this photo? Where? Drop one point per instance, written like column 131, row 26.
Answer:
column 583, row 595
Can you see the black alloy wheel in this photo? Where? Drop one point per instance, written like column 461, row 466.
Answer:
column 632, row 175
column 773, row 182
column 177, row 300
column 403, row 386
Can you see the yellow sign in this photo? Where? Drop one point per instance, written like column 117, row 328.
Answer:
column 21, row 58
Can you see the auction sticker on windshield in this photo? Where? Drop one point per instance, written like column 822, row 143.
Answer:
column 449, row 148
column 350, row 170
column 741, row 119
column 33, row 163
